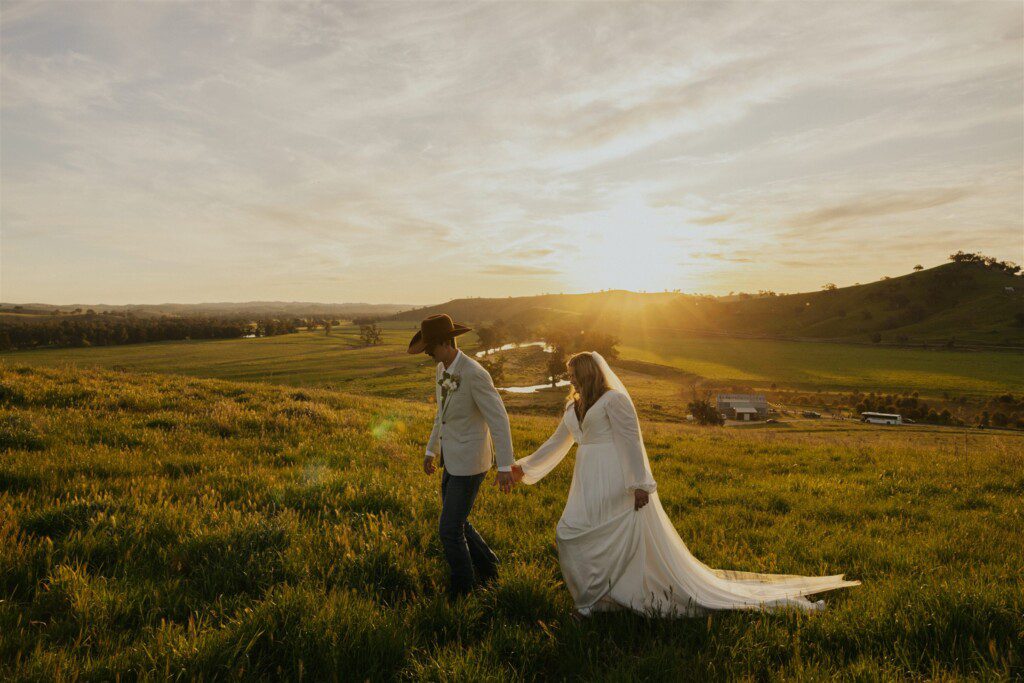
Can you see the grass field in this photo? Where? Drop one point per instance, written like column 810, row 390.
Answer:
column 814, row 365
column 154, row 526
column 303, row 359
column 337, row 361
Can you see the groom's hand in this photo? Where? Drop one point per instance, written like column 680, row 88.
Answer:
column 428, row 465
column 504, row 481
column 640, row 498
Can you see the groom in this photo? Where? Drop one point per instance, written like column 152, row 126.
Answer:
column 470, row 428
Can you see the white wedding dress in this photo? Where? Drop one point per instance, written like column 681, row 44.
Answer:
column 615, row 557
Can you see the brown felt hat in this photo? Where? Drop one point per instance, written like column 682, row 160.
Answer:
column 434, row 329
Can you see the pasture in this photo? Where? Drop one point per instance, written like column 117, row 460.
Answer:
column 313, row 359
column 158, row 526
column 830, row 366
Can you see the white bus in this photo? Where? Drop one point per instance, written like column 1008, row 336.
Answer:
column 882, row 418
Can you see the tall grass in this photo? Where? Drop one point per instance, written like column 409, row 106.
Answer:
column 164, row 527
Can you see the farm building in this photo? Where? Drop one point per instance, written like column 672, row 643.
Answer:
column 742, row 406
column 882, row 418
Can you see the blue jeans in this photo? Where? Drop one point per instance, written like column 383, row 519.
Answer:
column 466, row 552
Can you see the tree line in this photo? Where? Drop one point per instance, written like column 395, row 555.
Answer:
column 109, row 330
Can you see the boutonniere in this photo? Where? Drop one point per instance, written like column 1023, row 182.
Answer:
column 449, row 383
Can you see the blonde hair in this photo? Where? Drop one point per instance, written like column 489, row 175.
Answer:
column 590, row 379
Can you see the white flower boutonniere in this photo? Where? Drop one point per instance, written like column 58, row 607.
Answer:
column 449, row 384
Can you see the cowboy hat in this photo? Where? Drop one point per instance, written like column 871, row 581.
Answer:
column 435, row 329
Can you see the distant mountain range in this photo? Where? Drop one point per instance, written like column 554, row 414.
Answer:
column 965, row 302
column 247, row 308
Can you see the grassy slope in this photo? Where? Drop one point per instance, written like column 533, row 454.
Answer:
column 313, row 359
column 165, row 526
column 953, row 300
column 301, row 359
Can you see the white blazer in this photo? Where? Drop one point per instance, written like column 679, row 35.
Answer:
column 471, row 427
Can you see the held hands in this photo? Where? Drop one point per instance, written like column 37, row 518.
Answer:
column 428, row 465
column 640, row 498
column 504, row 481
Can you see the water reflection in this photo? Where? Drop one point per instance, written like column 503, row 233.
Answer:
column 535, row 388
column 508, row 347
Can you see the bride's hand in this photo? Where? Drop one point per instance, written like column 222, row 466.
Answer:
column 640, row 498
column 517, row 473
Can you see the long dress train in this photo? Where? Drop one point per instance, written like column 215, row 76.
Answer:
column 614, row 557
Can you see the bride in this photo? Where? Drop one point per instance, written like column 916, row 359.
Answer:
column 616, row 546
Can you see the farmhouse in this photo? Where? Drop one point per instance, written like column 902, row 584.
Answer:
column 742, row 406
column 881, row 418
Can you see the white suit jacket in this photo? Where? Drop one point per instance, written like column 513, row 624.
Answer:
column 471, row 428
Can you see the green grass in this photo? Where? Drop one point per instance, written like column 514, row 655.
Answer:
column 811, row 365
column 337, row 361
column 301, row 359
column 154, row 526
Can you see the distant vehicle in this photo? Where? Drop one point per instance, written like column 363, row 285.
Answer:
column 811, row 414
column 771, row 421
column 881, row 418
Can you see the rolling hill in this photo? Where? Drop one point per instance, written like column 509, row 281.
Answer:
column 963, row 302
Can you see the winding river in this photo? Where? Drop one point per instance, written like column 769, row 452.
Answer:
column 531, row 389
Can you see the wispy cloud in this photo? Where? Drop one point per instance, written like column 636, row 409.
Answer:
column 882, row 204
column 413, row 152
column 516, row 270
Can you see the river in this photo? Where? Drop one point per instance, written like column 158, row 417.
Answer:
column 531, row 389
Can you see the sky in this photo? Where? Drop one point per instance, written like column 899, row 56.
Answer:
column 418, row 152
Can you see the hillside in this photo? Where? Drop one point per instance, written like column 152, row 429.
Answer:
column 964, row 302
column 176, row 528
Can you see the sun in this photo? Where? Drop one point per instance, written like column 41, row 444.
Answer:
column 632, row 245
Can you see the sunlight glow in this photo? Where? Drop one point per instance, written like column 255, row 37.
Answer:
column 635, row 246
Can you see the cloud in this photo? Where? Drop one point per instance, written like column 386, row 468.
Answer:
column 873, row 206
column 333, row 151
column 512, row 269
column 711, row 220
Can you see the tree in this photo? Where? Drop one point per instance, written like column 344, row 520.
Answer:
column 918, row 267
column 370, row 334
column 556, row 365
column 572, row 340
column 704, row 412
column 987, row 261
column 829, row 287
column 495, row 367
column 488, row 335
